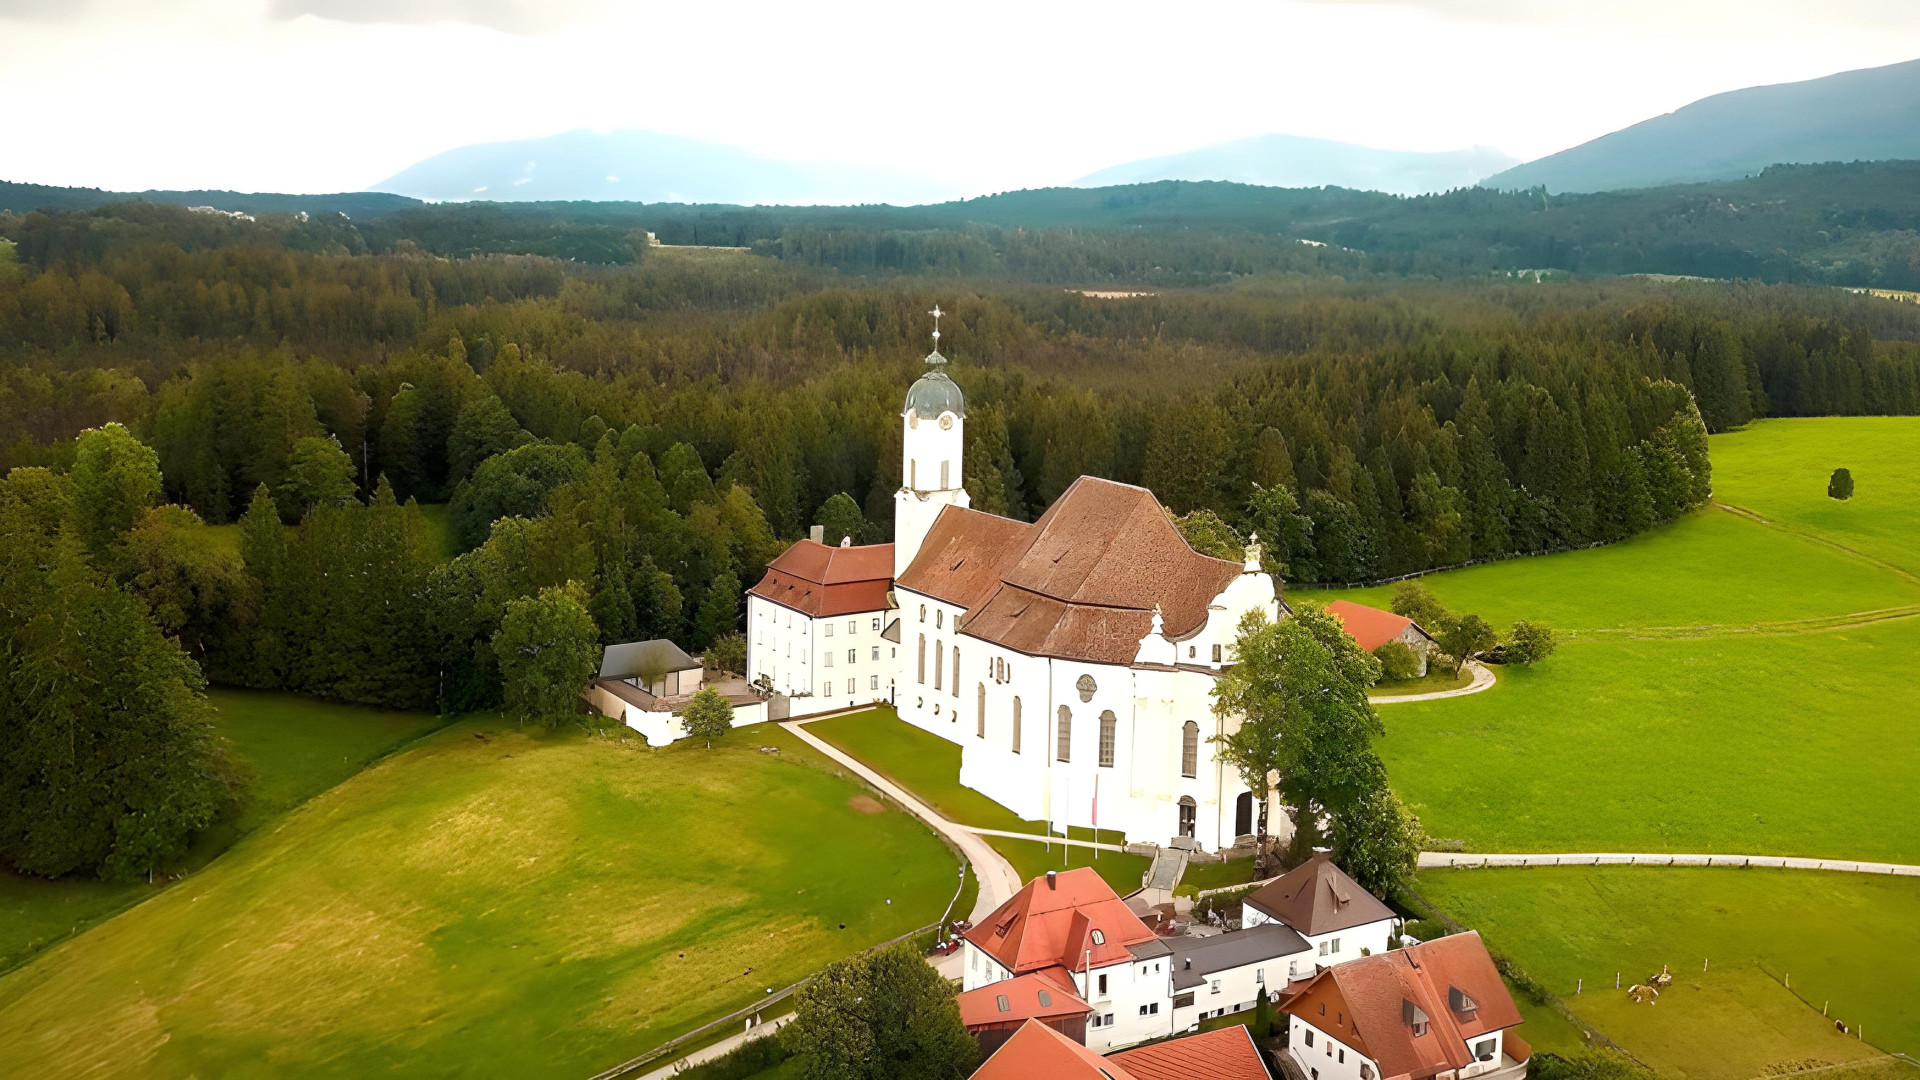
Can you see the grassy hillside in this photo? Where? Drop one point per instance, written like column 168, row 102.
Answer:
column 491, row 902
column 295, row 747
column 1779, row 469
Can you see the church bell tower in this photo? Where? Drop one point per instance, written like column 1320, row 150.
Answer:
column 934, row 423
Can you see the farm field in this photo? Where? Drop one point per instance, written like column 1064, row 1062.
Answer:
column 1841, row 939
column 1779, row 469
column 296, row 748
column 489, row 901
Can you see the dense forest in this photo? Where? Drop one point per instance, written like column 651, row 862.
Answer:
column 275, row 453
column 1854, row 224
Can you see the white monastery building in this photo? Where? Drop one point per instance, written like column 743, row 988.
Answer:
column 1072, row 659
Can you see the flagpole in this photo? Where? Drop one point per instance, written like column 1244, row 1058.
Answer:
column 1096, row 817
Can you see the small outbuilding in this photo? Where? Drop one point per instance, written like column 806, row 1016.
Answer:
column 1371, row 628
column 646, row 685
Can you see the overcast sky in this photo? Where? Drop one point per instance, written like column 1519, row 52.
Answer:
column 328, row 95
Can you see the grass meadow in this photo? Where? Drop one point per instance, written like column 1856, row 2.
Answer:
column 1844, row 941
column 295, row 747
column 487, row 902
column 1779, row 469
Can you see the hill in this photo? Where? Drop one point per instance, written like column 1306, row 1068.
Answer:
column 644, row 166
column 21, row 198
column 1868, row 115
column 1297, row 161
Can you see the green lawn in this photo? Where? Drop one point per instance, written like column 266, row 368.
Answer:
column 1032, row 859
column 296, row 747
column 1846, row 941
column 928, row 766
column 1796, row 745
column 1779, row 469
column 1439, row 678
column 487, row 902
column 1218, row 875
column 1710, row 569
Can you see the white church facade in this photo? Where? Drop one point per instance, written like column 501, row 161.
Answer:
column 1071, row 659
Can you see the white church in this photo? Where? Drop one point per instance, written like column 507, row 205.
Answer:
column 1072, row 659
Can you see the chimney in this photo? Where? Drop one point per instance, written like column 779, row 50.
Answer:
column 817, row 534
column 1189, row 963
column 1051, row 875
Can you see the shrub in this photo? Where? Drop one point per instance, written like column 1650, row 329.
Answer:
column 1412, row 599
column 1424, row 929
column 708, row 715
column 1529, row 642
column 1840, row 485
column 1398, row 662
column 749, row 1059
column 1589, row 1063
column 728, row 653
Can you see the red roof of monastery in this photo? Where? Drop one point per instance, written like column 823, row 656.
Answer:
column 1223, row 1054
column 820, row 581
column 1369, row 626
column 1080, row 583
column 1045, row 994
column 1037, row 1050
column 1318, row 897
column 1074, row 921
column 1374, row 1003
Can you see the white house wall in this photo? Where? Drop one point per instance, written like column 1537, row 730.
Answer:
column 1328, row 1058
column 1238, row 989
column 793, row 649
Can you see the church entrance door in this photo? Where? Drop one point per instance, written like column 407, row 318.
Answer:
column 1188, row 813
column 1243, row 814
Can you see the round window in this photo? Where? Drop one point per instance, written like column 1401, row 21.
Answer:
column 946, row 421
column 1086, row 687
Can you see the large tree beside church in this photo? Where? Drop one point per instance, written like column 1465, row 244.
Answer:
column 1305, row 731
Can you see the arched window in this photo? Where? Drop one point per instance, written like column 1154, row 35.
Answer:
column 956, row 671
column 1016, row 725
column 1190, row 749
column 1064, row 751
column 980, row 718
column 923, row 658
column 1189, row 813
column 939, row 654
column 1107, row 726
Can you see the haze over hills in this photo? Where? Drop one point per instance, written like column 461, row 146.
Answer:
column 644, row 166
column 1872, row 114
column 1299, row 161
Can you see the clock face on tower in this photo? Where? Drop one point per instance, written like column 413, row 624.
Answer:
column 946, row 421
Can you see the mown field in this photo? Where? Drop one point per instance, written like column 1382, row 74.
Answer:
column 488, row 902
column 295, row 748
column 1843, row 941
column 1728, row 683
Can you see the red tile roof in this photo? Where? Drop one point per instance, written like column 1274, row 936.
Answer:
column 1224, row 1054
column 1044, row 925
column 1370, row 1001
column 1080, row 583
column 1022, row 993
column 1037, row 1050
column 1369, row 626
column 821, row 581
column 1318, row 897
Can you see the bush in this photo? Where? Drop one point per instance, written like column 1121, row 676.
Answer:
column 1398, row 662
column 728, row 653
column 1413, row 600
column 749, row 1059
column 1528, row 642
column 708, row 715
column 1424, row 929
column 1840, row 485
column 1590, row 1063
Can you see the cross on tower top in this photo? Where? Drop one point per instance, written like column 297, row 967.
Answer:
column 936, row 313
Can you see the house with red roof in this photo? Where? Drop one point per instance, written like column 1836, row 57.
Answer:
column 1036, row 1050
column 821, row 632
column 1070, row 929
column 1338, row 920
column 995, row 1011
column 1371, row 628
column 1433, row 1011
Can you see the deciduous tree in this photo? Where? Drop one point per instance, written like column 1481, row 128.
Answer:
column 548, row 647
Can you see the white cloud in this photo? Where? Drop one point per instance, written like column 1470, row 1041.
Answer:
column 336, row 94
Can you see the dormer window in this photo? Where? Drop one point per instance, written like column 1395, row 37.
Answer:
column 1413, row 1016
column 1460, row 1001
column 1005, row 1005
column 1099, row 937
column 1046, row 1000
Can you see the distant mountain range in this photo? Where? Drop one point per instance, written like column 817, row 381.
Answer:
column 1868, row 115
column 1298, row 161
column 643, row 166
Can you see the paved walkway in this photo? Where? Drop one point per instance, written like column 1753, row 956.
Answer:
column 1482, row 680
column 998, row 880
column 1041, row 838
column 708, row 1053
column 1430, row 859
